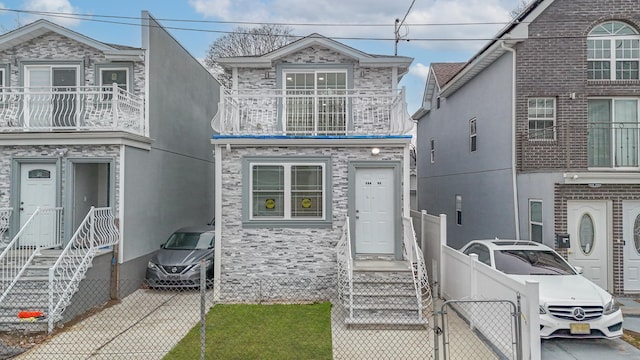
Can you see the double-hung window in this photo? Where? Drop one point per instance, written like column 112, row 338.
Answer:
column 613, row 132
column 613, row 52
column 113, row 74
column 473, row 136
column 458, row 209
column 542, row 118
column 315, row 102
column 432, row 151
column 287, row 192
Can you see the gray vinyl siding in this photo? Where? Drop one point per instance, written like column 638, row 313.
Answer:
column 483, row 177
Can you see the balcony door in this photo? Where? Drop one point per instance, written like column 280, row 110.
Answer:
column 51, row 100
column 315, row 102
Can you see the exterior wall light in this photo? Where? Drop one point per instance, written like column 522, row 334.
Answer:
column 375, row 151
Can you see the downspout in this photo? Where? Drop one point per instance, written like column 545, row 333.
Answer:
column 516, row 212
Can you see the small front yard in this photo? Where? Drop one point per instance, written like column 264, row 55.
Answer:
column 261, row 332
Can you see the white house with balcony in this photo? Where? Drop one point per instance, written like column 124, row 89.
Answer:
column 312, row 160
column 99, row 151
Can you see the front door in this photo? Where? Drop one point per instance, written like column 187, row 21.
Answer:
column 375, row 207
column 631, row 250
column 588, row 228
column 37, row 189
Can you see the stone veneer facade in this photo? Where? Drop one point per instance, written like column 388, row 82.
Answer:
column 552, row 62
column 290, row 252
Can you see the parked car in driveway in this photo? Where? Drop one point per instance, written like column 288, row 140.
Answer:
column 570, row 304
column 178, row 262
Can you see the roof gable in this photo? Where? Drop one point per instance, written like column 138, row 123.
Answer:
column 41, row 27
column 364, row 59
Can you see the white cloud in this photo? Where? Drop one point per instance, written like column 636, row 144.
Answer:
column 56, row 6
column 420, row 70
column 381, row 12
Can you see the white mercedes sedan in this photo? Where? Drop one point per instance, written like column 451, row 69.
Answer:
column 571, row 306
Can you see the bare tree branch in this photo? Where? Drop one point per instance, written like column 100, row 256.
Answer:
column 243, row 41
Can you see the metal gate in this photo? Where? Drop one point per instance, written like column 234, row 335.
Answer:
column 478, row 329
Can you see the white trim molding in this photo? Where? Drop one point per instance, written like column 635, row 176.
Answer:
column 601, row 177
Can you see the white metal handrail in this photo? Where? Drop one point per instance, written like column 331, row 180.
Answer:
column 345, row 268
column 41, row 231
column 413, row 255
column 96, row 108
column 312, row 112
column 97, row 230
column 5, row 216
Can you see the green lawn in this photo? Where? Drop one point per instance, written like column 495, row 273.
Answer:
column 261, row 332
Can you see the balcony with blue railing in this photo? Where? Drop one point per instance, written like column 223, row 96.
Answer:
column 312, row 113
column 79, row 108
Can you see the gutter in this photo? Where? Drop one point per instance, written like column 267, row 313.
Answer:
column 514, row 179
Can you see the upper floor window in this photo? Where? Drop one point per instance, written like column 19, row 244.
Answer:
column 315, row 102
column 432, row 151
column 473, row 135
column 613, row 52
column 613, row 132
column 542, row 118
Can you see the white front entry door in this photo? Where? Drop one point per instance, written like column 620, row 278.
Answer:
column 37, row 189
column 588, row 228
column 375, row 218
column 631, row 250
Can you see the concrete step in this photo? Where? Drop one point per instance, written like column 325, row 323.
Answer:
column 388, row 321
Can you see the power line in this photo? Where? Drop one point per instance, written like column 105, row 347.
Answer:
column 92, row 18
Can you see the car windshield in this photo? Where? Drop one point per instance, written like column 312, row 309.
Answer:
column 531, row 262
column 189, row 241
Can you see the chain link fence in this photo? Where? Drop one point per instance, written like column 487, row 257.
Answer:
column 173, row 321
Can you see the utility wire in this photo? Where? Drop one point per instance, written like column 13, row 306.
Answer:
column 92, row 18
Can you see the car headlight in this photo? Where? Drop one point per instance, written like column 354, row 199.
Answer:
column 152, row 266
column 541, row 310
column 611, row 307
column 196, row 266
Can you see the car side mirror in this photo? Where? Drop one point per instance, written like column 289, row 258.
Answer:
column 162, row 246
column 579, row 269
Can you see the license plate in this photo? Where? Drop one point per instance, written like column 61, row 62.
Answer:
column 580, row 328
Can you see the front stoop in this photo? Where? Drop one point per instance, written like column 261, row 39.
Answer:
column 383, row 295
column 30, row 293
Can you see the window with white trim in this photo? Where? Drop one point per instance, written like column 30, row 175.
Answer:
column 459, row 209
column 315, row 102
column 542, row 118
column 432, row 151
column 287, row 191
column 613, row 132
column 535, row 220
column 613, row 52
column 473, row 135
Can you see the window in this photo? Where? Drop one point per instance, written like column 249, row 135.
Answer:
column 473, row 135
column 613, row 132
column 315, row 102
column 291, row 192
column 459, row 209
column 438, row 103
column 542, row 118
column 586, row 235
column 613, row 52
column 433, row 151
column 111, row 76
column 535, row 220
column 482, row 252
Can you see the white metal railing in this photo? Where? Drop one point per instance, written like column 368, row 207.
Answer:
column 41, row 231
column 98, row 230
column 97, row 108
column 5, row 216
column 413, row 255
column 345, row 268
column 327, row 112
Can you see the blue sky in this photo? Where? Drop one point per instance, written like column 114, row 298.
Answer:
column 438, row 30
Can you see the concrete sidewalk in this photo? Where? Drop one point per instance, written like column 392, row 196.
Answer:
column 127, row 329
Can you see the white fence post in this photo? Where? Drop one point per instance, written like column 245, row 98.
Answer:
column 531, row 327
